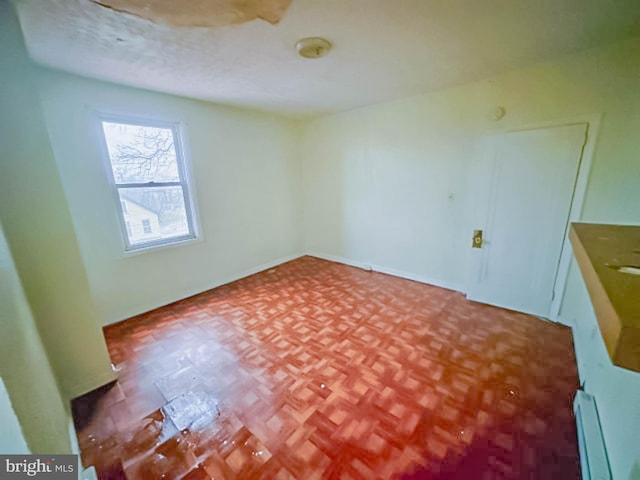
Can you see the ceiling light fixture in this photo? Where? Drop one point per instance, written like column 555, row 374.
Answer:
column 313, row 47
column 498, row 113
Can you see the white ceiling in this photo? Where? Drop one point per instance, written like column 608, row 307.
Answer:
column 382, row 49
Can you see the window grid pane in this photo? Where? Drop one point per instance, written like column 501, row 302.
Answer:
column 141, row 154
column 154, row 213
column 148, row 173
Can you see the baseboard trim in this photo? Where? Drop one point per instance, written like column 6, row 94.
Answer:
column 90, row 384
column 563, row 321
column 388, row 271
column 252, row 271
column 232, row 278
column 577, row 350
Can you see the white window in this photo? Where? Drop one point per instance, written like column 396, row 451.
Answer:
column 149, row 178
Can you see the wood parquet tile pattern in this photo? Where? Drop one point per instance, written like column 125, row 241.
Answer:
column 316, row 370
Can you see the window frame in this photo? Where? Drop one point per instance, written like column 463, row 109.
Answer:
column 184, row 181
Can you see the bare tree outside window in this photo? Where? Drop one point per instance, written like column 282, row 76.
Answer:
column 148, row 173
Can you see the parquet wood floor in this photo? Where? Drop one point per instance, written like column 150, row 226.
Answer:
column 316, row 370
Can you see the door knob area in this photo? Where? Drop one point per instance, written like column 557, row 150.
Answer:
column 477, row 239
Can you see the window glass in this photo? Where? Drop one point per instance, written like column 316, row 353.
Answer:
column 149, row 180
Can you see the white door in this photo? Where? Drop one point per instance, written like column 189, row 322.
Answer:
column 525, row 185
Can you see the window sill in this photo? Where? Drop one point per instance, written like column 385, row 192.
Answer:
column 162, row 246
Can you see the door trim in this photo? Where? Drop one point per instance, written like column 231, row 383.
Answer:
column 593, row 122
column 575, row 212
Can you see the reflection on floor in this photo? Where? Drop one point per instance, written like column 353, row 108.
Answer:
column 318, row 370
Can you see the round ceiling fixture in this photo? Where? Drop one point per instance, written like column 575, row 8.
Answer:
column 498, row 113
column 313, row 47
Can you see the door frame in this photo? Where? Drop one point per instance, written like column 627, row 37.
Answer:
column 593, row 122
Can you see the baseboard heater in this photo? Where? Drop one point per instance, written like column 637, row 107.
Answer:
column 593, row 454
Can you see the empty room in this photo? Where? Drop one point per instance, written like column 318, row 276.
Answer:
column 320, row 239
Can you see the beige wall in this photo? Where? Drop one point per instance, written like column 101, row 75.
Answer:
column 245, row 175
column 25, row 368
column 378, row 181
column 389, row 185
column 377, row 187
column 38, row 227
